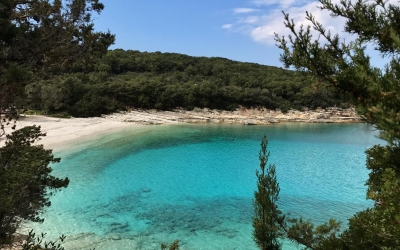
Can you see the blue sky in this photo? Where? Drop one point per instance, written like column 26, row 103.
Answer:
column 240, row 30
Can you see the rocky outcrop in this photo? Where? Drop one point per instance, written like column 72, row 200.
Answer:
column 239, row 116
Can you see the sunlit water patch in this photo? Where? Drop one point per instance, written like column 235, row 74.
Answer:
column 138, row 188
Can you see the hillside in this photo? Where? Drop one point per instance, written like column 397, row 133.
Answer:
column 166, row 81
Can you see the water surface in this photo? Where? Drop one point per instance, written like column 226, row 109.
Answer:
column 140, row 187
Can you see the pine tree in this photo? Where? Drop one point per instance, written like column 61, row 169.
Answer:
column 26, row 183
column 375, row 93
column 40, row 39
column 267, row 216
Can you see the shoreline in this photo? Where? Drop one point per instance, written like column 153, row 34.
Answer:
column 63, row 132
column 243, row 116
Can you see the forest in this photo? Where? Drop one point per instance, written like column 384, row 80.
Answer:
column 165, row 81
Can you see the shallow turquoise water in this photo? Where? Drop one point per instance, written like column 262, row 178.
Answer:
column 137, row 188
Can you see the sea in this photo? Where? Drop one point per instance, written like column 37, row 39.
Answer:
column 143, row 186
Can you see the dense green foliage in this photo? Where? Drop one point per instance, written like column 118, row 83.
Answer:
column 375, row 92
column 167, row 80
column 41, row 39
column 267, row 218
column 26, row 180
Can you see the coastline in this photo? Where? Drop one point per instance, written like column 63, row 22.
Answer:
column 260, row 116
column 63, row 132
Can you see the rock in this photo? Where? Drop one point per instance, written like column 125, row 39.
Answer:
column 114, row 237
column 239, row 116
column 250, row 122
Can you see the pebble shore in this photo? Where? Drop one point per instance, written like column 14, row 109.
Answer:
column 244, row 116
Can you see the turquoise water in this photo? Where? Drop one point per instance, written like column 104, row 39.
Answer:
column 140, row 187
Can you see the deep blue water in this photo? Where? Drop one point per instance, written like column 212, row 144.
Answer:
column 140, row 187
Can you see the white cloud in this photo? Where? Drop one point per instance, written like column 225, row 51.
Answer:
column 244, row 10
column 273, row 23
column 227, row 26
column 262, row 27
column 249, row 20
column 280, row 3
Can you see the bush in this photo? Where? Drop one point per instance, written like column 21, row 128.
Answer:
column 93, row 104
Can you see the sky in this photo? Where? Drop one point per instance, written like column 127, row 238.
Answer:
column 241, row 30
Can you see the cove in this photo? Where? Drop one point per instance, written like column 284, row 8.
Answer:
column 140, row 187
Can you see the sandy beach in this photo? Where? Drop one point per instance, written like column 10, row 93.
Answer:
column 61, row 132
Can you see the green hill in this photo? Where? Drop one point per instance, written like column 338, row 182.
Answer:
column 169, row 80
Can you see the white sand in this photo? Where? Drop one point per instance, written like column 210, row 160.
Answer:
column 62, row 133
